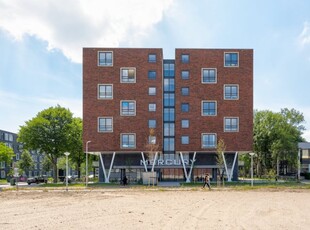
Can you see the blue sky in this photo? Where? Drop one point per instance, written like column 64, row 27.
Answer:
column 41, row 46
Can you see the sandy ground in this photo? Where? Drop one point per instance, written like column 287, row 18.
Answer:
column 155, row 209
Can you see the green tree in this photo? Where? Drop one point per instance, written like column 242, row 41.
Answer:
column 77, row 155
column 49, row 132
column 6, row 153
column 47, row 164
column 275, row 138
column 26, row 162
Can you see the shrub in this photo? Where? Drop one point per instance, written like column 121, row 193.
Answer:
column 307, row 176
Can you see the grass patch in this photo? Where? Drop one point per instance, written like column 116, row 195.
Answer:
column 247, row 186
column 4, row 181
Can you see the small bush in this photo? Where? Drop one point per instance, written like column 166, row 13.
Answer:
column 307, row 176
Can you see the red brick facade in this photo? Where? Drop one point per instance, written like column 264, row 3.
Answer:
column 138, row 124
column 94, row 107
column 241, row 108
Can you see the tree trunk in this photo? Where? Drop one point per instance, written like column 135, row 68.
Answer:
column 79, row 170
column 55, row 176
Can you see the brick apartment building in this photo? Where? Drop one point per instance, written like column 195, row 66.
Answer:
column 192, row 101
column 10, row 140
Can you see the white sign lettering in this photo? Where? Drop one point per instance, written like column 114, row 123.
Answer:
column 164, row 162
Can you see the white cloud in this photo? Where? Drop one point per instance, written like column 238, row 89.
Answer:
column 304, row 37
column 72, row 24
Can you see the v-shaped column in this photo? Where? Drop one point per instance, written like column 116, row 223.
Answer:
column 229, row 174
column 188, row 176
column 107, row 177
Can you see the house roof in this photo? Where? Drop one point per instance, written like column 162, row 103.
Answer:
column 304, row 145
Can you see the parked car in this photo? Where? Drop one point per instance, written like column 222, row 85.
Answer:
column 37, row 180
column 70, row 179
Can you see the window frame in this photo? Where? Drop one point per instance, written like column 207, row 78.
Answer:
column 150, row 60
column 184, row 105
column 185, row 77
column 121, row 75
column 202, row 76
column 209, row 147
column 186, row 92
column 150, row 93
column 128, row 115
column 231, row 85
column 98, row 58
column 153, row 120
column 121, row 140
column 102, row 131
column 150, row 109
column 231, row 65
column 231, row 130
column 149, row 75
column 202, row 110
column 185, row 136
column 104, row 98
column 183, row 126
column 183, row 60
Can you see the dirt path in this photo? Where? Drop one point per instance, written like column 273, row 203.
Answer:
column 143, row 209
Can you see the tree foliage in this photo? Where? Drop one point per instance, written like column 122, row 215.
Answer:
column 151, row 145
column 26, row 162
column 77, row 155
column 6, row 153
column 276, row 135
column 50, row 132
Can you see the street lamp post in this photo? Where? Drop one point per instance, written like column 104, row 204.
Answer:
column 252, row 154
column 86, row 172
column 67, row 169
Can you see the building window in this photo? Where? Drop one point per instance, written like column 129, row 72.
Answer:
column 105, row 124
column 209, row 108
column 169, row 99
column 185, row 140
column 105, row 91
column 231, row 92
column 231, row 124
column 208, row 140
column 169, row 85
column 152, row 74
column 152, row 58
column 169, row 114
column 169, row 129
column 185, row 123
column 152, row 91
column 152, row 124
column 17, row 156
column 105, row 59
column 152, row 107
column 209, row 76
column 185, row 74
column 2, row 164
column 128, row 108
column 185, row 107
column 152, row 140
column 128, row 141
column 185, row 91
column 128, row 75
column 231, row 59
column 6, row 136
column 168, row 69
column 185, row 58
column 169, row 144
column 3, row 175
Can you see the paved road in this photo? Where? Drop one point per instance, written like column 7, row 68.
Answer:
column 20, row 184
